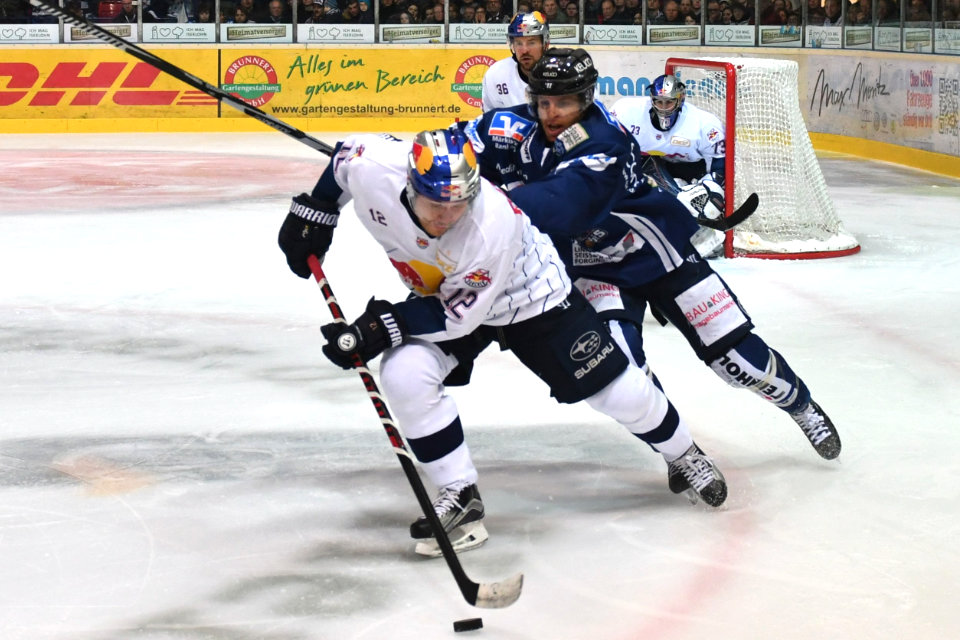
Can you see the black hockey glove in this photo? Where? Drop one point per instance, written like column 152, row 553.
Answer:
column 377, row 328
column 307, row 230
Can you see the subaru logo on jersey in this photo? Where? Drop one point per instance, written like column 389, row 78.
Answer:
column 509, row 125
column 585, row 346
column 477, row 279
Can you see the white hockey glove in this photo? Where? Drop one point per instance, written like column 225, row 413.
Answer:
column 703, row 199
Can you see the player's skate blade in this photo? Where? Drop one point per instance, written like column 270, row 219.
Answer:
column 469, row 536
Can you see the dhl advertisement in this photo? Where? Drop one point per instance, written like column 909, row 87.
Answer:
column 358, row 83
column 284, row 82
column 102, row 83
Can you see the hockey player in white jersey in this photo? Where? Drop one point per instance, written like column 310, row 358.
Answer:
column 505, row 82
column 684, row 150
column 479, row 272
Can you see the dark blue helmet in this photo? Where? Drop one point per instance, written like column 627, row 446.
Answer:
column 562, row 72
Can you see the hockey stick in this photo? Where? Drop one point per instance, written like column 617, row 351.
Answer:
column 494, row 595
column 184, row 76
column 666, row 182
column 742, row 212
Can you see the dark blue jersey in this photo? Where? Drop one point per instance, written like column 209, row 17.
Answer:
column 587, row 192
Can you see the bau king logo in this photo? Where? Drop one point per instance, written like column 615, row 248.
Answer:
column 252, row 79
column 468, row 82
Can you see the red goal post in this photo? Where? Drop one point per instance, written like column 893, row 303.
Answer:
column 768, row 152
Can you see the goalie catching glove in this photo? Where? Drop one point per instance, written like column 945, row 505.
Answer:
column 704, row 199
column 307, row 230
column 377, row 328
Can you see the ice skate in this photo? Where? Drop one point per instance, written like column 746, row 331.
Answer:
column 818, row 428
column 696, row 475
column 460, row 510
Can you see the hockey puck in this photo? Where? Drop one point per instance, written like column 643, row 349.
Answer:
column 468, row 624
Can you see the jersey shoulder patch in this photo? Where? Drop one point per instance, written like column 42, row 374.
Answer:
column 506, row 124
column 571, row 137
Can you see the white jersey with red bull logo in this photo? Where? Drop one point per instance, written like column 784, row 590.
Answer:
column 697, row 134
column 503, row 86
column 493, row 267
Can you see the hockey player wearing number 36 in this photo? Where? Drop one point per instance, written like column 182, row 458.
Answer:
column 575, row 171
column 480, row 273
column 505, row 82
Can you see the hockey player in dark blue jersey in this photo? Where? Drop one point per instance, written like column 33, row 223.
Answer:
column 576, row 172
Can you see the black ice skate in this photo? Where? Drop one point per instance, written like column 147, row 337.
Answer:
column 819, row 430
column 696, row 474
column 460, row 510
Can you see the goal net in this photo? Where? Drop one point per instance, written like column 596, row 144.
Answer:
column 768, row 152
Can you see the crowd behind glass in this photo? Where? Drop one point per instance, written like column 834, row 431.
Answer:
column 942, row 14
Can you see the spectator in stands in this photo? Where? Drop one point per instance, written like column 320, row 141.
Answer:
column 609, row 15
column 75, row 7
column 249, row 8
column 276, row 13
column 240, row 16
column 768, row 12
column 390, row 11
column 468, row 13
column 572, row 12
column 815, row 13
column 741, row 13
column 318, row 13
column 713, row 12
column 551, row 11
column 14, row 12
column 204, row 13
column 495, row 12
column 179, row 10
column 671, row 13
column 349, row 14
column 686, row 9
column 918, row 12
column 128, row 12
column 620, row 11
column 414, row 11
column 886, row 13
column 654, row 11
column 834, row 14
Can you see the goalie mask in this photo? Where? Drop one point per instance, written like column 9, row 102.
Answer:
column 667, row 94
column 442, row 167
column 563, row 72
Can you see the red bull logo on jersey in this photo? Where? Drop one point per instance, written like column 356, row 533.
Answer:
column 509, row 125
column 713, row 135
column 477, row 279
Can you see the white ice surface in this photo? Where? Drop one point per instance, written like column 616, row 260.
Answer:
column 179, row 462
